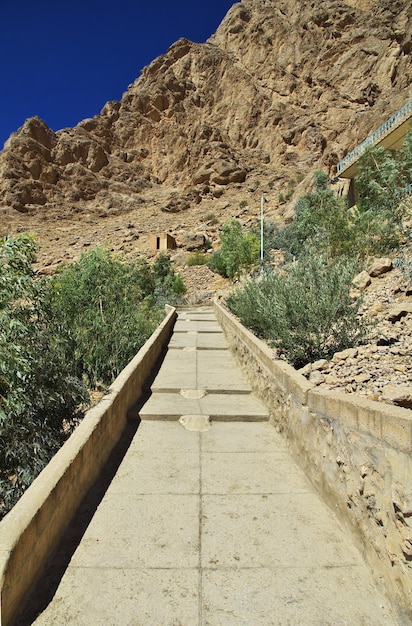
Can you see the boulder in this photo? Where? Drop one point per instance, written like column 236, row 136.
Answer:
column 380, row 266
column 400, row 310
column 362, row 280
column 193, row 241
column 398, row 394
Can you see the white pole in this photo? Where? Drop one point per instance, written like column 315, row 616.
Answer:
column 262, row 202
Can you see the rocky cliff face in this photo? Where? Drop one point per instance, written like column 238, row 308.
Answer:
column 284, row 86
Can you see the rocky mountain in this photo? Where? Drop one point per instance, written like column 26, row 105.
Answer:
column 282, row 87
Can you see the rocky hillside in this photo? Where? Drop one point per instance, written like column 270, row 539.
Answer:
column 282, row 87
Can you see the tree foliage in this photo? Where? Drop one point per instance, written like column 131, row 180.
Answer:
column 81, row 326
column 382, row 177
column 239, row 251
column 105, row 309
column 39, row 395
column 322, row 222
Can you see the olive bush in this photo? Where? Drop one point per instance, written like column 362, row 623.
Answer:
column 306, row 312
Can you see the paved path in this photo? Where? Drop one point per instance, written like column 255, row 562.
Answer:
column 212, row 527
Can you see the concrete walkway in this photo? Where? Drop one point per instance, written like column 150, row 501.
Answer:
column 213, row 526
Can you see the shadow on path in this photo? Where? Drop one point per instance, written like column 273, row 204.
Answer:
column 55, row 567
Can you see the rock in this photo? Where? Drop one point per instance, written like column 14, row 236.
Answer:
column 316, row 377
column 362, row 378
column 349, row 353
column 362, row 280
column 227, row 111
column 402, row 501
column 332, row 380
column 380, row 266
column 376, row 309
column 399, row 311
column 226, row 172
column 385, row 340
column 179, row 259
column 306, row 369
column 320, row 364
column 202, row 175
column 399, row 395
column 193, row 241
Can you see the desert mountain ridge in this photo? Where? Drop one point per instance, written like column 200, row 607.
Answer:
column 282, row 88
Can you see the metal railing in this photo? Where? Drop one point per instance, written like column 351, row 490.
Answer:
column 395, row 120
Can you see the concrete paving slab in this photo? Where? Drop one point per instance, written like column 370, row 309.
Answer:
column 231, row 407
column 162, row 436
column 198, row 317
column 184, row 326
column 218, row 360
column 217, row 383
column 178, row 371
column 169, row 406
column 244, row 437
column 272, row 531
column 144, row 531
column 197, row 313
column 113, row 597
column 157, row 472
column 217, row 370
column 213, row 370
column 199, row 340
column 293, row 596
column 250, row 472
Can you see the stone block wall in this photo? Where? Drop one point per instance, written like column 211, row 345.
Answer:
column 355, row 452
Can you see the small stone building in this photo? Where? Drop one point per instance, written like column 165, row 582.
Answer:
column 163, row 241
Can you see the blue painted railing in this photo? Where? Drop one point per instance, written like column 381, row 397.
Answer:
column 395, row 120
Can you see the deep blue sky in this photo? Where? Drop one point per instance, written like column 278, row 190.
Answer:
column 63, row 60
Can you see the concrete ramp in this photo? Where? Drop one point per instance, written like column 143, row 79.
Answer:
column 199, row 376
column 215, row 526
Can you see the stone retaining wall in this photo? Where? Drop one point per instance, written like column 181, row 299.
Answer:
column 357, row 454
column 30, row 532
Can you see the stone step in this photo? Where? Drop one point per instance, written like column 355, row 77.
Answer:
column 219, row 407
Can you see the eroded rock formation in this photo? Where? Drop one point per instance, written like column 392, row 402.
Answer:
column 282, row 87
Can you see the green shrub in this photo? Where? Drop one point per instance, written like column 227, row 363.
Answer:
column 197, row 258
column 404, row 263
column 380, row 183
column 168, row 286
column 243, row 204
column 307, row 313
column 322, row 222
column 39, row 395
column 239, row 251
column 382, row 176
column 86, row 323
column 106, row 309
column 211, row 217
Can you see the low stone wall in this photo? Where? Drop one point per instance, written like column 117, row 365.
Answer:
column 30, row 532
column 357, row 454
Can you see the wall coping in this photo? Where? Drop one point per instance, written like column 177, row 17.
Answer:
column 392, row 425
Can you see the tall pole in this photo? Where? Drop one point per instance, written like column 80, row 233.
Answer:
column 262, row 202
